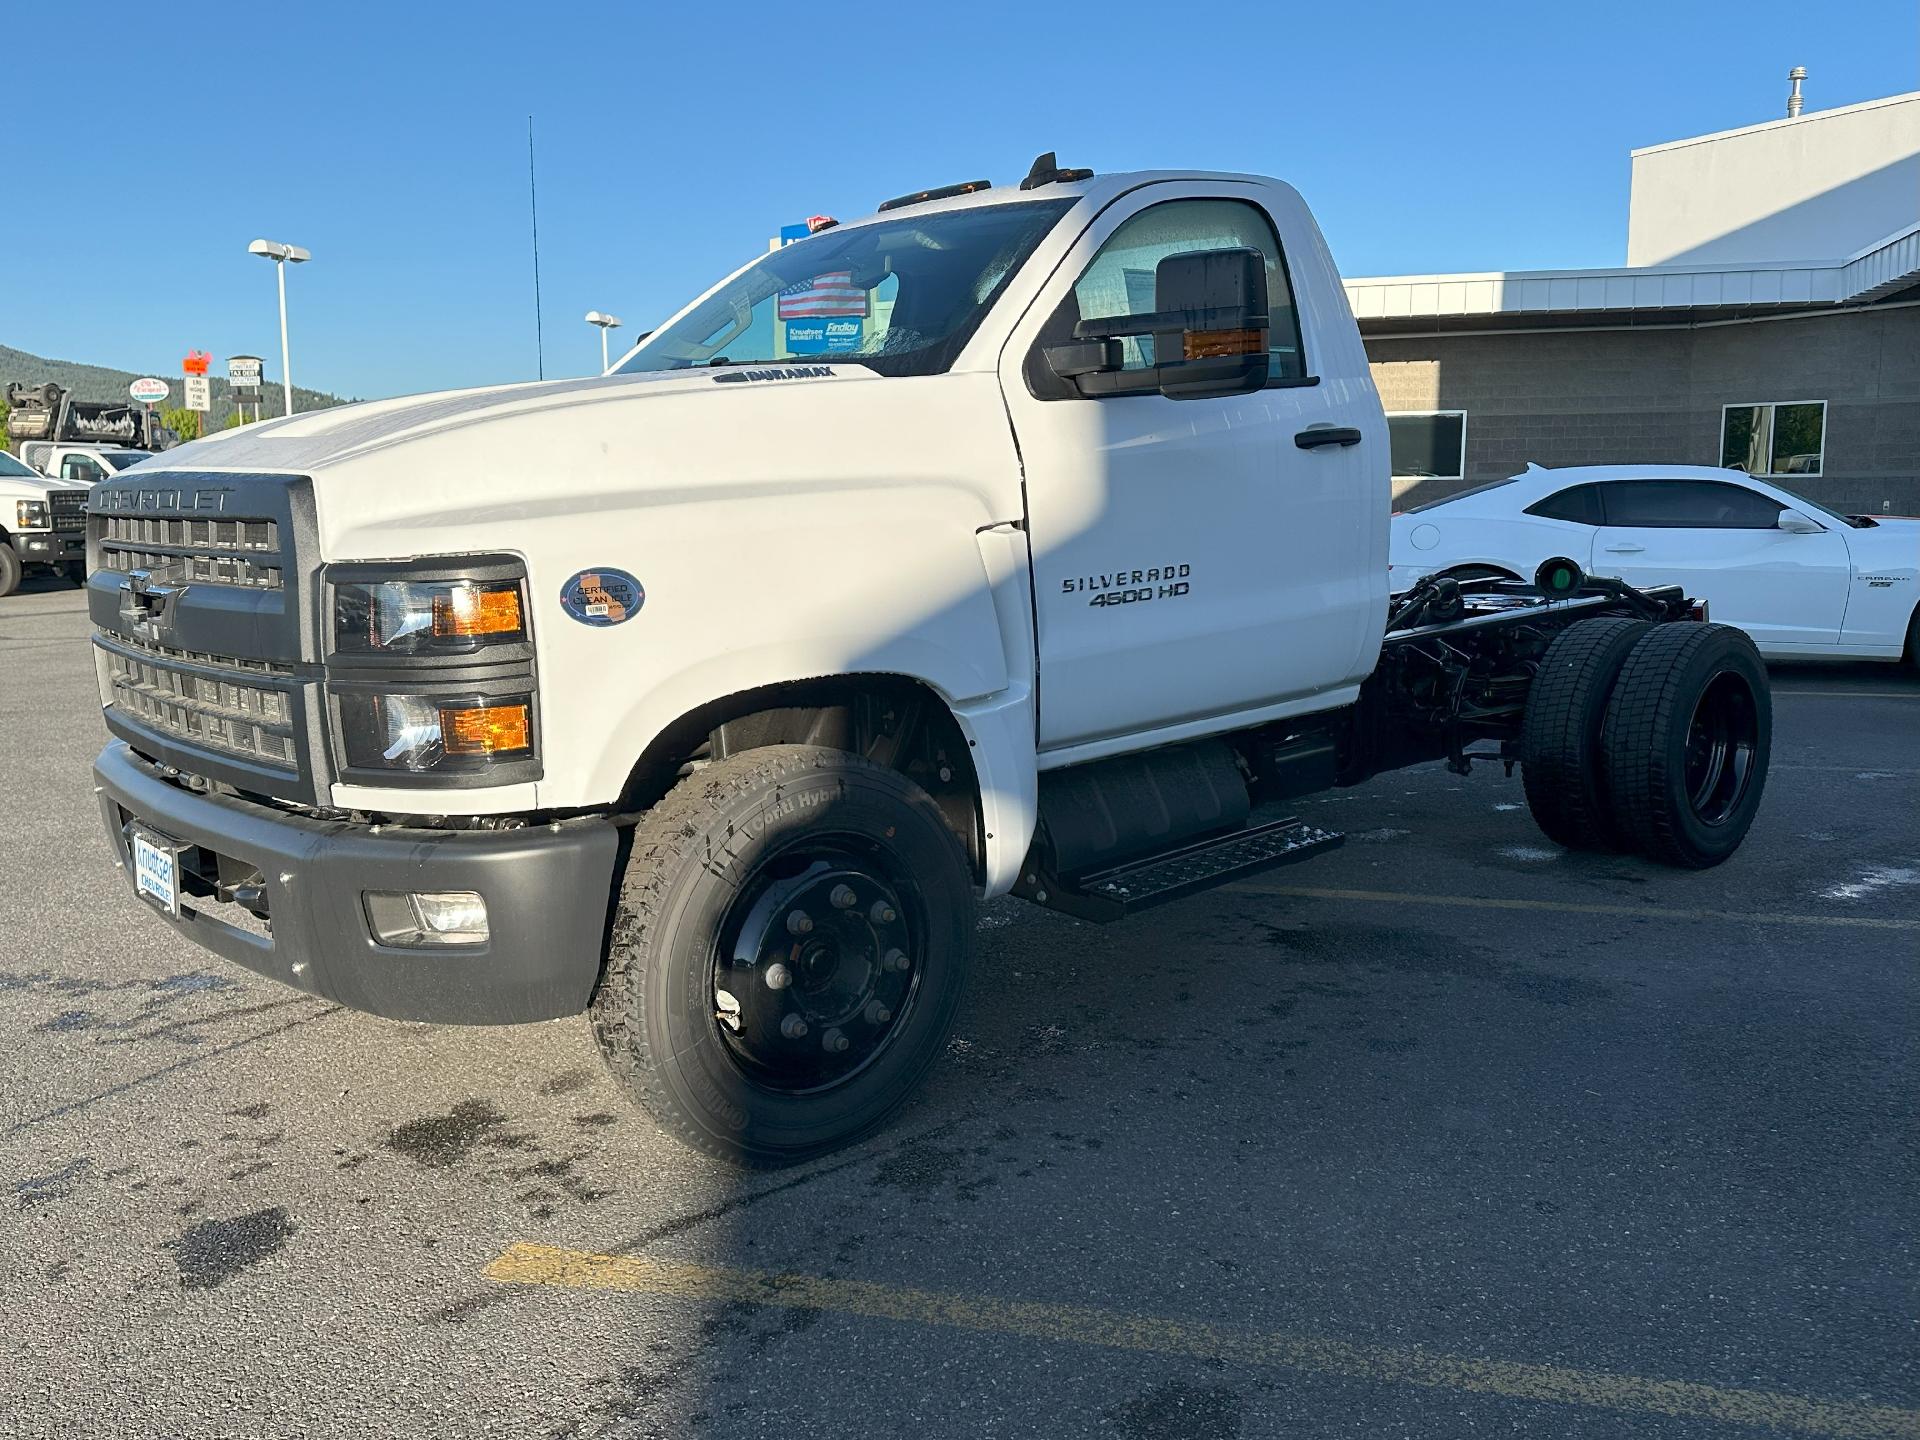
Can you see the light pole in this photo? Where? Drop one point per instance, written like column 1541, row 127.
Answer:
column 282, row 256
column 604, row 322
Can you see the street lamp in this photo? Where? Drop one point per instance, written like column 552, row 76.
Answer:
column 605, row 323
column 282, row 256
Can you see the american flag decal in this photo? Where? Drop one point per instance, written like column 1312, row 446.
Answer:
column 829, row 294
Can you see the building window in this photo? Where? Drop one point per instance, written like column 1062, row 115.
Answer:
column 1429, row 444
column 1786, row 438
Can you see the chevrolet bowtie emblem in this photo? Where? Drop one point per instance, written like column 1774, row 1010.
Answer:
column 146, row 603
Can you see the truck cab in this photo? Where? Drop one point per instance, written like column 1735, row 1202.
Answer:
column 1017, row 538
column 42, row 524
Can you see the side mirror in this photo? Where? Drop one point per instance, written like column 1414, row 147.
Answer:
column 1208, row 329
column 1794, row 523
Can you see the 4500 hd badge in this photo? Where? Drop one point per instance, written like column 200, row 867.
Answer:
column 1130, row 587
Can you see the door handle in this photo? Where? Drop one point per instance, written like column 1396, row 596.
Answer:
column 1314, row 436
column 1625, row 549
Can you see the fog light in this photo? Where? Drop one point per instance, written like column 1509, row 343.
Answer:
column 420, row 920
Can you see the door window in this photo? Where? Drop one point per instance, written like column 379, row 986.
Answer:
column 1690, row 505
column 1120, row 279
column 81, row 467
column 1580, row 504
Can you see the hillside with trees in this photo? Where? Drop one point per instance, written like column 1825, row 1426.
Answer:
column 97, row 382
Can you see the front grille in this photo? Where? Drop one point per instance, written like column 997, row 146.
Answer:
column 69, row 509
column 207, row 700
column 203, row 551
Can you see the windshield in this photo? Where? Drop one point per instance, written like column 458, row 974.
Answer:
column 899, row 296
column 121, row 459
column 11, row 466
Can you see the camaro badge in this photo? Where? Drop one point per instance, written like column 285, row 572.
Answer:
column 602, row 597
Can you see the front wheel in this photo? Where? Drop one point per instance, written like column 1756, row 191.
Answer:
column 788, row 951
column 10, row 569
column 1688, row 734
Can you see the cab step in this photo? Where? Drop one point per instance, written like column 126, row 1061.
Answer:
column 1115, row 892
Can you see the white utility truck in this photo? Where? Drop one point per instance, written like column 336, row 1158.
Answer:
column 708, row 696
column 42, row 523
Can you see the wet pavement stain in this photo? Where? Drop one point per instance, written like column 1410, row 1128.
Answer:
column 214, row 1251
column 1178, row 1411
column 437, row 1141
column 37, row 1190
column 567, row 1082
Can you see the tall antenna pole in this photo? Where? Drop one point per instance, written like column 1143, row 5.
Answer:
column 533, row 199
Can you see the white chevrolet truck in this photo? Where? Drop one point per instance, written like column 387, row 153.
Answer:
column 709, row 696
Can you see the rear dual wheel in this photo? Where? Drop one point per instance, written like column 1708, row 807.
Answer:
column 1687, row 738
column 787, row 954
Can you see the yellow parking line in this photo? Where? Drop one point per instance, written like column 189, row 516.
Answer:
column 528, row 1264
column 1575, row 907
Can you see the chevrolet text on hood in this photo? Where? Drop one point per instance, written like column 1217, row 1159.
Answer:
column 709, row 696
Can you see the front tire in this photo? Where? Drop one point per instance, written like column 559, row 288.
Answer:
column 10, row 569
column 1688, row 734
column 788, row 950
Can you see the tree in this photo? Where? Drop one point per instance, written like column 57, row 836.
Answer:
column 183, row 422
column 5, row 439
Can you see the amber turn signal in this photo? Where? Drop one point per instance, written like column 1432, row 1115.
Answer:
column 486, row 729
column 1208, row 344
column 469, row 610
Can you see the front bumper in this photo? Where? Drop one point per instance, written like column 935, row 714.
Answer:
column 43, row 547
column 546, row 889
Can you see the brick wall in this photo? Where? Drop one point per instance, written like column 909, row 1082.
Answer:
column 1652, row 396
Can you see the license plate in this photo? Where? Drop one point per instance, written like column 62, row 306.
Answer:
column 156, row 869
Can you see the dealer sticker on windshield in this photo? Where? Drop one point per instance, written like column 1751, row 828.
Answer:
column 602, row 597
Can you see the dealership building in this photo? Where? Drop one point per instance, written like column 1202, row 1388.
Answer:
column 1768, row 317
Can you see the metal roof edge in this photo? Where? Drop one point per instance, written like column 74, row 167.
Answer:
column 1808, row 117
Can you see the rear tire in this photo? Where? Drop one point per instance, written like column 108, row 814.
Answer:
column 1562, row 762
column 1687, row 738
column 10, row 569
column 1913, row 639
column 76, row 572
column 836, row 873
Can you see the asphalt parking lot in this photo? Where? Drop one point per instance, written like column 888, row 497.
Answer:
column 1448, row 1133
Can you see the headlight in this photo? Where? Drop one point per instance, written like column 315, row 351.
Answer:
column 414, row 617
column 32, row 514
column 415, row 733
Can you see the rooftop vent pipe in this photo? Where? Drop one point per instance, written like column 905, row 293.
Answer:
column 1794, row 77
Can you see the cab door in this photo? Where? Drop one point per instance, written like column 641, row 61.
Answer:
column 1723, row 542
column 1197, row 561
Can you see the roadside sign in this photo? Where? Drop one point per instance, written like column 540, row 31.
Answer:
column 791, row 233
column 244, row 369
column 196, row 363
column 148, row 391
column 199, row 393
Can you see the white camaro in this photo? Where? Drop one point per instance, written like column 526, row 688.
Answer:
column 1798, row 578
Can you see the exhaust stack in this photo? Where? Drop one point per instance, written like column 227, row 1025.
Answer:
column 1794, row 77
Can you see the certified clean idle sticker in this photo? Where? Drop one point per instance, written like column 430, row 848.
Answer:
column 602, row 597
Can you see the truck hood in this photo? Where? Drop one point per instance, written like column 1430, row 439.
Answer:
column 323, row 439
column 26, row 487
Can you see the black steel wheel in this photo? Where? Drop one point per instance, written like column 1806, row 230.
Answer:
column 788, row 949
column 1687, row 737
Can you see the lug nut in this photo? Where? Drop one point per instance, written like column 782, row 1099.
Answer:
column 896, row 960
column 834, row 1042
column 778, row 977
column 878, row 1014
column 793, row 1027
column 799, row 923
column 843, row 897
column 882, row 913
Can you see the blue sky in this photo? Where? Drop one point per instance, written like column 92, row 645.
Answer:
column 390, row 139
